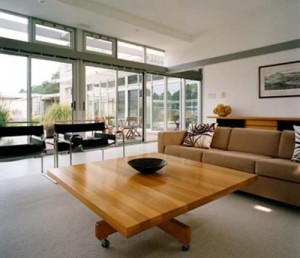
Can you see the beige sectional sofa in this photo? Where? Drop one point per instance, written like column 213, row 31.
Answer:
column 263, row 152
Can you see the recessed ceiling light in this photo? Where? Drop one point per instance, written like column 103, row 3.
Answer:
column 43, row 2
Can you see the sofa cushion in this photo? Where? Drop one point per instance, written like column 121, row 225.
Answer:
column 286, row 144
column 220, row 139
column 296, row 153
column 232, row 159
column 184, row 152
column 200, row 135
column 169, row 138
column 279, row 168
column 258, row 141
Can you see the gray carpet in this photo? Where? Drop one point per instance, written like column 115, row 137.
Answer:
column 39, row 220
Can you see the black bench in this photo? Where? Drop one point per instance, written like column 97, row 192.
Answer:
column 33, row 146
column 73, row 140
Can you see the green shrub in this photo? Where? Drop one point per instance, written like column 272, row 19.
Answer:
column 57, row 113
column 4, row 115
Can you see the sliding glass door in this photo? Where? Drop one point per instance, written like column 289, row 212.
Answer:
column 100, row 93
column 192, row 102
column 51, row 92
column 35, row 90
column 130, row 107
column 173, row 103
column 41, row 90
column 114, row 96
column 13, row 88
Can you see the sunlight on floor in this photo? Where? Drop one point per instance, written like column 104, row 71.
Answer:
column 262, row 208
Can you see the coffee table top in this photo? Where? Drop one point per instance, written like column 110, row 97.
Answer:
column 132, row 202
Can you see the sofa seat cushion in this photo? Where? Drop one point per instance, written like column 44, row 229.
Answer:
column 279, row 168
column 257, row 141
column 184, row 152
column 232, row 159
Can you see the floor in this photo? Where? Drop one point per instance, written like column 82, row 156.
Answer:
column 33, row 166
column 238, row 225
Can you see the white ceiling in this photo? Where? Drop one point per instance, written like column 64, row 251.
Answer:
column 176, row 26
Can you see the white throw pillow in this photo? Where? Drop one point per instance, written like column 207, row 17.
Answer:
column 296, row 154
column 200, row 135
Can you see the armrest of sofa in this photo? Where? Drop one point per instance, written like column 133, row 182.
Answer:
column 169, row 138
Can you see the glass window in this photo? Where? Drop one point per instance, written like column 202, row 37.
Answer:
column 13, row 26
column 68, row 91
column 130, row 52
column 132, row 79
column 121, row 108
column 173, row 104
column 155, row 57
column 13, row 89
column 130, row 104
column 54, row 34
column 98, row 45
column 121, row 81
column 155, row 105
column 100, row 92
column 51, row 93
column 191, row 102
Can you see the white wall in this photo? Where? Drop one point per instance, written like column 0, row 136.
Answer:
column 238, row 80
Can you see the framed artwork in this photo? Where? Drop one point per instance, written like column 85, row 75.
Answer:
column 279, row 80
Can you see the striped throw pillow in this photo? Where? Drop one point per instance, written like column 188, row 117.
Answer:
column 200, row 135
column 296, row 154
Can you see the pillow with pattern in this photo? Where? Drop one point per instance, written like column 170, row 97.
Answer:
column 296, row 154
column 200, row 135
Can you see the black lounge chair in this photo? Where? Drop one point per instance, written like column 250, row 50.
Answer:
column 73, row 141
column 34, row 147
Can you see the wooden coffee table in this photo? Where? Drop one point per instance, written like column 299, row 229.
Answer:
column 130, row 202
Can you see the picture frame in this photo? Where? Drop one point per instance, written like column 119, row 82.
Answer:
column 279, row 80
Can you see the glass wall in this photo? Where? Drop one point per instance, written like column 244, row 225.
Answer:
column 133, row 104
column 173, row 103
column 100, row 93
column 13, row 88
column 35, row 90
column 51, row 92
column 192, row 102
column 31, row 84
column 155, row 99
column 115, row 97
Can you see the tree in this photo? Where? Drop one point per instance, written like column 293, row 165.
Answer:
column 48, row 87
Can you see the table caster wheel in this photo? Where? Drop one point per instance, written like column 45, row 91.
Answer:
column 185, row 248
column 105, row 243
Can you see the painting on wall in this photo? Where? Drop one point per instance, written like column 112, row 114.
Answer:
column 279, row 80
